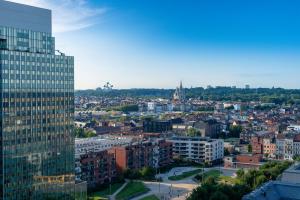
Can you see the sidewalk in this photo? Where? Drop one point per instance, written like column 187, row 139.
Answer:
column 113, row 196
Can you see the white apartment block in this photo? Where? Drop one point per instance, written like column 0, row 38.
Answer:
column 198, row 149
column 287, row 148
column 100, row 143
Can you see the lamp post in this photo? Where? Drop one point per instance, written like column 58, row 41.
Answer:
column 174, row 174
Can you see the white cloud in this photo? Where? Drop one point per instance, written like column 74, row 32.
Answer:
column 69, row 15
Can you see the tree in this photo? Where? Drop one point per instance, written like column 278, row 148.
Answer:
column 235, row 130
column 226, row 152
column 260, row 180
column 296, row 158
column 193, row 132
column 240, row 174
column 148, row 173
column 210, row 180
column 218, row 196
column 82, row 133
column 247, row 181
column 249, row 148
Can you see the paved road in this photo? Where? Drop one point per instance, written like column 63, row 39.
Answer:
column 167, row 189
column 177, row 190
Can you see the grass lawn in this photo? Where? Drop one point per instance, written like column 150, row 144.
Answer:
column 212, row 173
column 217, row 174
column 151, row 197
column 185, row 175
column 133, row 188
column 229, row 180
column 103, row 194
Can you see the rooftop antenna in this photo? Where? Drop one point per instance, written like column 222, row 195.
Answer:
column 61, row 53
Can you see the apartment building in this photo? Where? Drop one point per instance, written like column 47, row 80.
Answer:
column 162, row 153
column 287, row 146
column 264, row 143
column 269, row 147
column 134, row 156
column 198, row 149
column 96, row 168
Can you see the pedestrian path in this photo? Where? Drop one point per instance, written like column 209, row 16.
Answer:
column 113, row 196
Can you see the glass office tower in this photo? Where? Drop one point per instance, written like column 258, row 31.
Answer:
column 37, row 107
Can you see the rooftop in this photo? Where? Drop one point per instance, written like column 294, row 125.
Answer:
column 275, row 190
column 25, row 17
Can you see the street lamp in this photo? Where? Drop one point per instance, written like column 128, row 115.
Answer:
column 174, row 174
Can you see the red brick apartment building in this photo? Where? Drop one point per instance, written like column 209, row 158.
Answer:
column 165, row 153
column 156, row 153
column 263, row 145
column 98, row 168
column 134, row 156
column 257, row 145
column 243, row 161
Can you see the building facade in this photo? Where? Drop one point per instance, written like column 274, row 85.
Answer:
column 288, row 146
column 97, row 168
column 198, row 149
column 37, row 108
column 209, row 128
column 157, row 126
column 162, row 153
column 134, row 156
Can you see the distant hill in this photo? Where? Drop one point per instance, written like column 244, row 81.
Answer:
column 270, row 95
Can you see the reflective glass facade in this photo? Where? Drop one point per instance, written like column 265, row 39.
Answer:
column 36, row 126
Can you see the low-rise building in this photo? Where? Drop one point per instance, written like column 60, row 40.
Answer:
column 209, row 128
column 198, row 149
column 95, row 144
column 243, row 161
column 157, row 126
column 269, row 147
column 287, row 146
column 257, row 145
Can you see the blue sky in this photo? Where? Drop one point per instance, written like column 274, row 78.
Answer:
column 155, row 44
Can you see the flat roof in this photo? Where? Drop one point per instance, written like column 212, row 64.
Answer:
column 25, row 17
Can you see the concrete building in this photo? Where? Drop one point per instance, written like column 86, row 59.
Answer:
column 198, row 149
column 287, row 146
column 100, row 143
column 157, row 126
column 293, row 128
column 209, row 128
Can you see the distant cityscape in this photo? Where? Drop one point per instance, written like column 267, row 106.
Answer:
column 232, row 128
column 138, row 144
